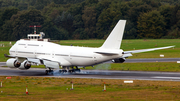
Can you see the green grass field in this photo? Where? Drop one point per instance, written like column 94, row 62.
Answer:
column 157, row 66
column 55, row 89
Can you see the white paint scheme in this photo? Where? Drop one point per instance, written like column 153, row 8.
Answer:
column 64, row 55
column 54, row 55
column 114, row 37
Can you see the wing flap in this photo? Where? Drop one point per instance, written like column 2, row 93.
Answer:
column 60, row 61
column 51, row 64
column 37, row 61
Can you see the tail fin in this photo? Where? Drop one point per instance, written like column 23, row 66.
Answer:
column 114, row 39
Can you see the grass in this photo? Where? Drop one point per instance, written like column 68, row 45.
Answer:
column 45, row 88
column 157, row 66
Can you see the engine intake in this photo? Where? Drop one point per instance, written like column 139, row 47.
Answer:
column 13, row 63
column 25, row 65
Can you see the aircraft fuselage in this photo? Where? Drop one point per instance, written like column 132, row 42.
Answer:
column 65, row 55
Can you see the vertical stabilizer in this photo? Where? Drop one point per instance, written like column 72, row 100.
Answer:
column 114, row 39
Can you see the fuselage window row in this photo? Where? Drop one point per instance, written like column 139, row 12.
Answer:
column 50, row 54
column 29, row 44
column 80, row 56
column 32, row 45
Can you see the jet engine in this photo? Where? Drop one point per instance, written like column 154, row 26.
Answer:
column 25, row 65
column 119, row 60
column 13, row 63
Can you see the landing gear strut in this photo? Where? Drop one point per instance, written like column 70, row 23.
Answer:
column 49, row 71
column 62, row 71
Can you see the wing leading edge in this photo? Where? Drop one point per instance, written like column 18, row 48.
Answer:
column 147, row 50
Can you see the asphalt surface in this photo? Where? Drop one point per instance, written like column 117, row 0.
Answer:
column 100, row 74
column 96, row 74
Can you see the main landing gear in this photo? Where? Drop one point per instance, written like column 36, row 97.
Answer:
column 72, row 70
column 64, row 70
column 49, row 71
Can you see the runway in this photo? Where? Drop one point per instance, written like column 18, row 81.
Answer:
column 100, row 74
column 95, row 74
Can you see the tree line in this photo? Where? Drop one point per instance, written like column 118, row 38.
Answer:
column 89, row 19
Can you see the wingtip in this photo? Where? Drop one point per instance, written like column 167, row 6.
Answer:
column 5, row 55
column 172, row 46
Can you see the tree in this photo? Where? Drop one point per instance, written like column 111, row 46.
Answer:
column 89, row 19
column 6, row 33
column 54, row 33
column 166, row 11
column 6, row 15
column 23, row 20
column 106, row 21
column 151, row 25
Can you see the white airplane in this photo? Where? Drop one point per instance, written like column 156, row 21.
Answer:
column 25, row 52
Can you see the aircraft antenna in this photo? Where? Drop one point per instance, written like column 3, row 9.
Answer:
column 35, row 27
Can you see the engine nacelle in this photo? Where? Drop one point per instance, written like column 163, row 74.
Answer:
column 119, row 60
column 13, row 63
column 25, row 65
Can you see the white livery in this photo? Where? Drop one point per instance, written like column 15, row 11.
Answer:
column 25, row 52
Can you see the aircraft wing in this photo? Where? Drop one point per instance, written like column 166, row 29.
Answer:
column 146, row 50
column 9, row 56
column 47, row 61
column 51, row 62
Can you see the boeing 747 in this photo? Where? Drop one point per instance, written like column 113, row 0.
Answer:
column 25, row 52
